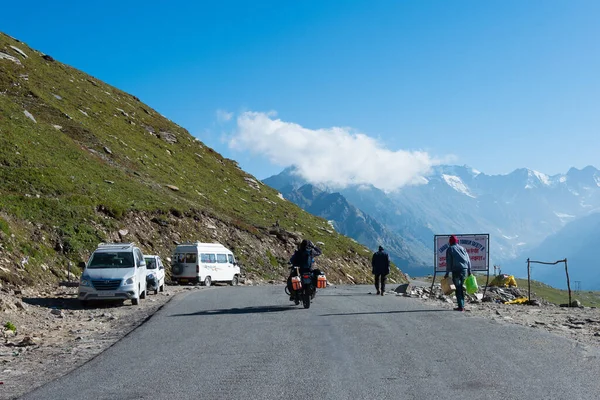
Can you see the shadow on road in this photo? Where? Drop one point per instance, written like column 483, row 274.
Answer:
column 383, row 312
column 68, row 303
column 235, row 311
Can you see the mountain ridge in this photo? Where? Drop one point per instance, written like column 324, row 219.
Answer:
column 519, row 209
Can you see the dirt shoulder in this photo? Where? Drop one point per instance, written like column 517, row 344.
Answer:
column 578, row 323
column 54, row 334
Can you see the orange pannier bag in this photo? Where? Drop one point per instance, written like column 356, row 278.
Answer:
column 296, row 283
column 321, row 282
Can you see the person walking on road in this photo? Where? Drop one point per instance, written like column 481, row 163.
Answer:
column 381, row 268
column 459, row 263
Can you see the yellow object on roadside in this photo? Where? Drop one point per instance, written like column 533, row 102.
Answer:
column 504, row 281
column 520, row 300
column 512, row 282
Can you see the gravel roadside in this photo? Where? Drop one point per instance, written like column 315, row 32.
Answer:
column 53, row 334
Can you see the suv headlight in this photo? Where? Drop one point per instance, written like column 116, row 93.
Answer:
column 152, row 275
column 85, row 281
column 128, row 281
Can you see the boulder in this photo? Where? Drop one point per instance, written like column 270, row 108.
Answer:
column 18, row 50
column 20, row 305
column 29, row 115
column 402, row 288
column 27, row 341
column 9, row 57
column 167, row 137
column 57, row 312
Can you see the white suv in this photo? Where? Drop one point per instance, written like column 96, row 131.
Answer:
column 114, row 272
column 155, row 278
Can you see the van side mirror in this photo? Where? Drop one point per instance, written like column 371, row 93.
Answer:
column 142, row 264
column 81, row 264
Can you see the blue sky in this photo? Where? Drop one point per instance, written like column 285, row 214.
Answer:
column 497, row 85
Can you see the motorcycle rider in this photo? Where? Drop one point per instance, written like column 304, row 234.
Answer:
column 302, row 258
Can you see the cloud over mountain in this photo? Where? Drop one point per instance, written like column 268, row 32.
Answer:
column 334, row 156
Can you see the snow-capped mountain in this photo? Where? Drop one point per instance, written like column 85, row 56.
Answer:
column 519, row 210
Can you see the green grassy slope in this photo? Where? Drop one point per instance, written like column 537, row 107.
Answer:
column 96, row 157
column 559, row 296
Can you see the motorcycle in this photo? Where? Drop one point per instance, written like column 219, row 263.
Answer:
column 302, row 286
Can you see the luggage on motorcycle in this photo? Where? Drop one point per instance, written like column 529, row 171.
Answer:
column 296, row 283
column 321, row 281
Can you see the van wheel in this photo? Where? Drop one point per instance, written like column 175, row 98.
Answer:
column 207, row 281
column 162, row 287
column 235, row 280
column 143, row 294
column 135, row 302
column 156, row 291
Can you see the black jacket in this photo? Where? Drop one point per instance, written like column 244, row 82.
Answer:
column 380, row 263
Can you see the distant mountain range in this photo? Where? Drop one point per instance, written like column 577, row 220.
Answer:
column 519, row 210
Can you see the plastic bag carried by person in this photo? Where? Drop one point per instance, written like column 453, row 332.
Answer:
column 447, row 286
column 471, row 284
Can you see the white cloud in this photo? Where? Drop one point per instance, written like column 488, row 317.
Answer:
column 224, row 116
column 333, row 156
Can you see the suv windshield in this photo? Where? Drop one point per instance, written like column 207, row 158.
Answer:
column 112, row 260
column 150, row 262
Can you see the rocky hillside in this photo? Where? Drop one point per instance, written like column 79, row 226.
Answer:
column 82, row 162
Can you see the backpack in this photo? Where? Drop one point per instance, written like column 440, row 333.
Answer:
column 306, row 259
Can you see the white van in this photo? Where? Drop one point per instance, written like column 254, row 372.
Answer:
column 204, row 263
column 114, row 272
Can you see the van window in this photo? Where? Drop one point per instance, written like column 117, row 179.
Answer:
column 191, row 258
column 208, row 258
column 180, row 258
column 230, row 257
column 221, row 258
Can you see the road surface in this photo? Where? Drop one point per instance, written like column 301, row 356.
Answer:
column 252, row 343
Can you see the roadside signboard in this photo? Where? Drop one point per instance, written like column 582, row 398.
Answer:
column 477, row 246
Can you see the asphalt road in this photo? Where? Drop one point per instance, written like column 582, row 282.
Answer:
column 252, row 343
